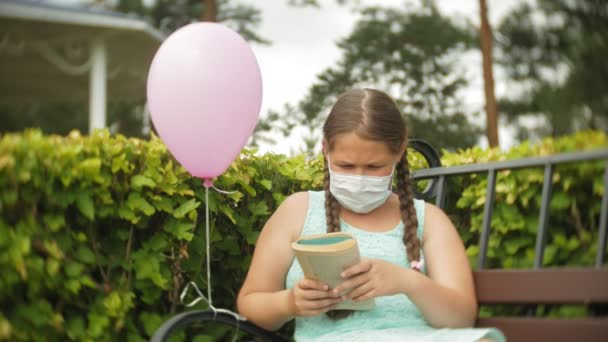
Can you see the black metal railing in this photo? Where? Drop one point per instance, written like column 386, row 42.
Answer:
column 438, row 176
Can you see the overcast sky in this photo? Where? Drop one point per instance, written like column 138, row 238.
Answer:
column 303, row 45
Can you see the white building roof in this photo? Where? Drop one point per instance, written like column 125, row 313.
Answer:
column 46, row 53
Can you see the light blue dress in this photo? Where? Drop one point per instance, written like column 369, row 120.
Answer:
column 395, row 318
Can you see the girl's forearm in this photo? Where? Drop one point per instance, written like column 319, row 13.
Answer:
column 441, row 306
column 269, row 310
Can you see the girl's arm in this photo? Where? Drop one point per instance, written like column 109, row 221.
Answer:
column 263, row 298
column 447, row 296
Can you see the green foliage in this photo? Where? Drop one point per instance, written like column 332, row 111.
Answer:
column 169, row 15
column 554, row 51
column 573, row 211
column 99, row 234
column 410, row 52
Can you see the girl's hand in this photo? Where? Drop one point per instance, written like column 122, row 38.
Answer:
column 310, row 298
column 370, row 278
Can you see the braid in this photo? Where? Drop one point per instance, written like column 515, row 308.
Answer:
column 332, row 217
column 408, row 211
column 332, row 207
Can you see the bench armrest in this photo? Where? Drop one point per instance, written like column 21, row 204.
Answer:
column 197, row 316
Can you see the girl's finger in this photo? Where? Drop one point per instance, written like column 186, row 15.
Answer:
column 316, row 294
column 329, row 308
column 365, row 296
column 324, row 309
column 359, row 291
column 362, row 267
column 351, row 283
column 311, row 284
column 313, row 305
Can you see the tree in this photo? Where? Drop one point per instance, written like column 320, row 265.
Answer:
column 210, row 12
column 169, row 15
column 488, row 76
column 555, row 53
column 410, row 55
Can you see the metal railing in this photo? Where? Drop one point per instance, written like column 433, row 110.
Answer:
column 439, row 174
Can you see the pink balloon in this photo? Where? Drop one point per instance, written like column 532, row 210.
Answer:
column 204, row 94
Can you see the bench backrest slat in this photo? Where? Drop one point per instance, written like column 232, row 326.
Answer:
column 554, row 330
column 542, row 286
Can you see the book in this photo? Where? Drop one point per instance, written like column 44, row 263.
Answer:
column 323, row 257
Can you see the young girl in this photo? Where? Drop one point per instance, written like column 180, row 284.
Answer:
column 413, row 260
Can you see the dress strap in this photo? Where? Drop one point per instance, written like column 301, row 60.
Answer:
column 315, row 222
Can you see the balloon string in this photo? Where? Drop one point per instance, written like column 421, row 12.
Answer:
column 207, row 246
column 208, row 183
column 201, row 296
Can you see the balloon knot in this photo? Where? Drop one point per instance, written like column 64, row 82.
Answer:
column 207, row 183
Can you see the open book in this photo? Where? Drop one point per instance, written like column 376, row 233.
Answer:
column 324, row 256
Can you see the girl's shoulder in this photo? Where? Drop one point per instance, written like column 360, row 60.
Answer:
column 432, row 212
column 293, row 211
column 296, row 201
column 435, row 221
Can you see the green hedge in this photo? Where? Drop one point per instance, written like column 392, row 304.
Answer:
column 99, row 234
column 572, row 228
column 577, row 190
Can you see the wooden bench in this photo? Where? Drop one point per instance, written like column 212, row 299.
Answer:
column 547, row 286
column 529, row 287
column 536, row 286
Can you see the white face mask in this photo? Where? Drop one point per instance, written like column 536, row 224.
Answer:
column 360, row 194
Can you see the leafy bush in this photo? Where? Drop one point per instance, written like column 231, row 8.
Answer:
column 572, row 229
column 573, row 219
column 99, row 234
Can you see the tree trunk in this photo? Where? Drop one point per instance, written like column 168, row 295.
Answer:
column 209, row 11
column 488, row 77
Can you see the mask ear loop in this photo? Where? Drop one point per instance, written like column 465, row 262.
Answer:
column 329, row 164
column 390, row 184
